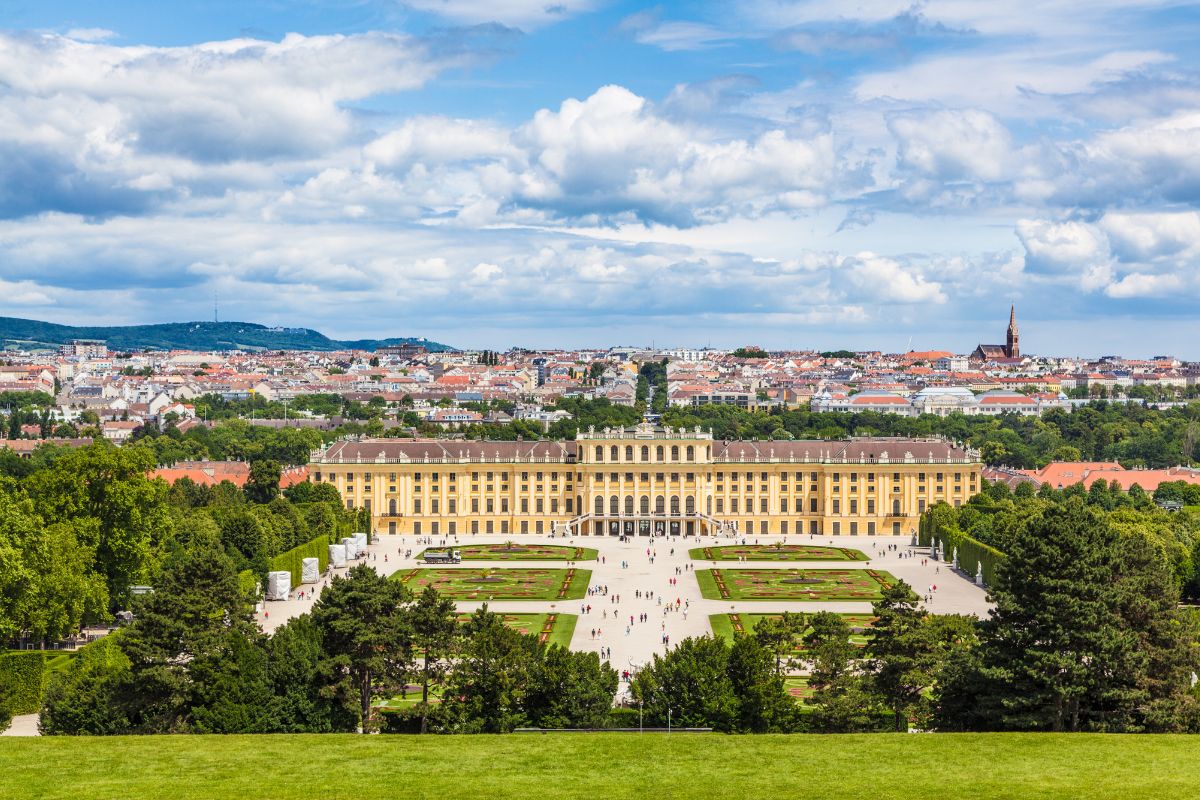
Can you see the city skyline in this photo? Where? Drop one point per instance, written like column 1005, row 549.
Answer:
column 494, row 174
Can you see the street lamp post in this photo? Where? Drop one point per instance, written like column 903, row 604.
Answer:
column 668, row 720
column 640, row 715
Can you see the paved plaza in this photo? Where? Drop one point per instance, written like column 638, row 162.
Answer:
column 647, row 565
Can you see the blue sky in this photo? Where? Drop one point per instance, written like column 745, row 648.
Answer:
column 790, row 173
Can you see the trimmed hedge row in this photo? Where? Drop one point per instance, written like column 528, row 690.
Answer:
column 290, row 561
column 972, row 553
column 249, row 584
column 27, row 672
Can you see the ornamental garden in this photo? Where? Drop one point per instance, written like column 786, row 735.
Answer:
column 726, row 625
column 776, row 552
column 551, row 629
column 499, row 584
column 512, row 551
column 801, row 585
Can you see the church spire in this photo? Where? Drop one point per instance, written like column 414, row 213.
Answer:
column 1013, row 345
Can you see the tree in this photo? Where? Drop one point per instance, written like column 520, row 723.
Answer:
column 308, row 698
column 108, row 484
column 691, row 682
column 184, row 647
column 92, row 694
column 1054, row 653
column 434, row 626
column 763, row 704
column 781, row 637
column 570, row 689
column 231, row 688
column 1168, row 638
column 491, row 677
column 263, row 484
column 840, row 699
column 365, row 633
column 308, row 492
column 901, row 657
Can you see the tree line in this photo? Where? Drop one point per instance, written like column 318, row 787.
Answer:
column 194, row 661
column 996, row 516
column 80, row 527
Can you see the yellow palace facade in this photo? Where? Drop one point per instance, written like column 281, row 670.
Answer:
column 647, row 480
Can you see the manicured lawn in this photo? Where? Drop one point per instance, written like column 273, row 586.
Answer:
column 724, row 625
column 776, row 552
column 610, row 766
column 793, row 584
column 469, row 583
column 550, row 628
column 517, row 551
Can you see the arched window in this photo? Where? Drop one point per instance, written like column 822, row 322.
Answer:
column 691, row 453
column 578, row 503
column 614, row 505
column 614, row 453
column 659, row 505
column 599, row 453
column 645, row 453
column 599, row 505
column 708, row 452
column 709, row 504
column 896, row 508
column 629, row 452
column 675, row 452
column 645, row 504
column 674, row 505
column 690, row 504
column 392, row 507
column 658, row 453
column 629, row 504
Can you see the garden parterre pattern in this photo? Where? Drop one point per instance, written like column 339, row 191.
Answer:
column 518, row 552
column 470, row 583
column 727, row 625
column 771, row 552
column 549, row 628
column 793, row 584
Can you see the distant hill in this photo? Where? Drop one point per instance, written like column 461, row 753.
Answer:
column 30, row 333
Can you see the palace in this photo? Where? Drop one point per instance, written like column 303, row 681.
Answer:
column 647, row 479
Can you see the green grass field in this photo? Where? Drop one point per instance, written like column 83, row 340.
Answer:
column 776, row 552
column 724, row 625
column 519, row 552
column 609, row 766
column 807, row 585
column 471, row 583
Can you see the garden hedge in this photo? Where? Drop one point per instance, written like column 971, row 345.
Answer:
column 290, row 561
column 27, row 672
column 972, row 553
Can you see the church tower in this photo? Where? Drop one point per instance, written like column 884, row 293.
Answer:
column 1014, row 338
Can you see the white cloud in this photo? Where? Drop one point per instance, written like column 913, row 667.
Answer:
column 439, row 140
column 90, row 34
column 886, row 280
column 1145, row 236
column 520, row 13
column 954, row 145
column 1138, row 284
column 1070, row 247
column 24, row 293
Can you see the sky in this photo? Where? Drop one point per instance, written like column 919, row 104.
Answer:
column 490, row 173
